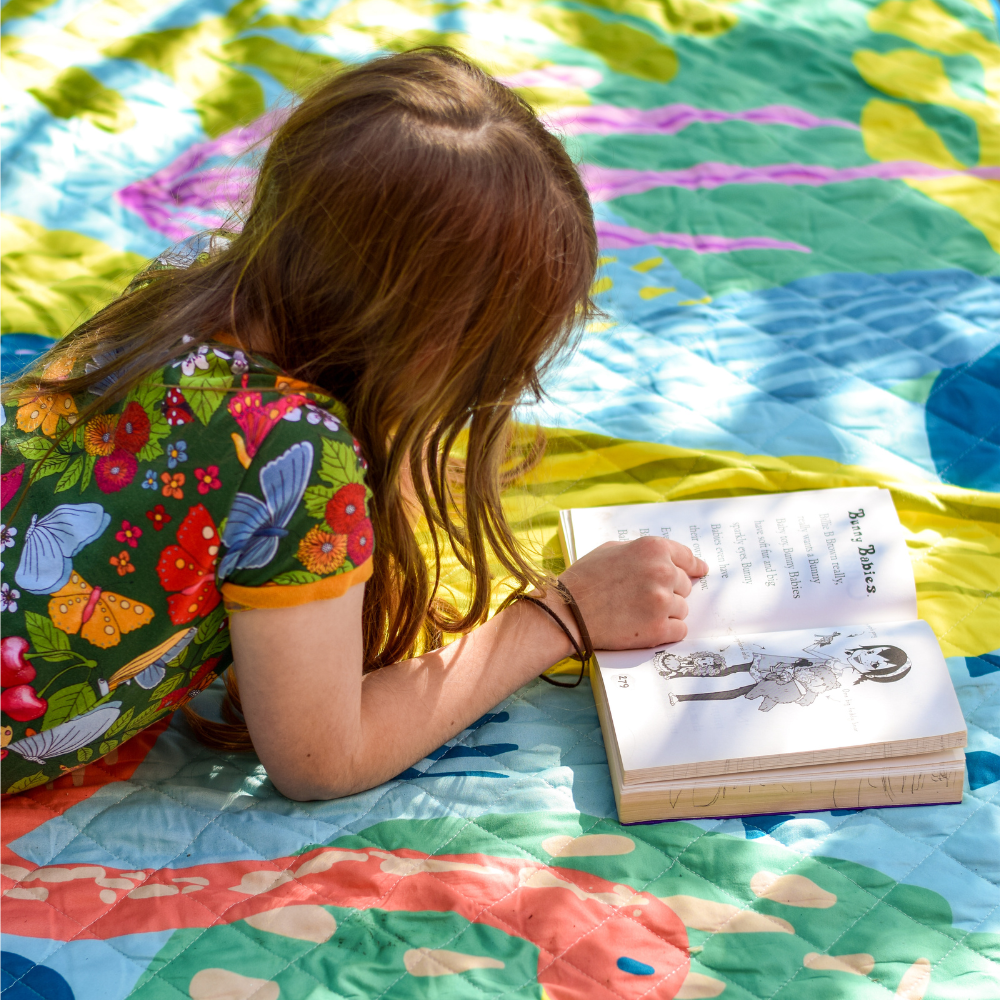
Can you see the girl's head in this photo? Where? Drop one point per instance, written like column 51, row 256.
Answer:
column 880, row 663
column 419, row 246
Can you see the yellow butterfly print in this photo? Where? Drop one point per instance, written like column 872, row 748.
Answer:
column 100, row 616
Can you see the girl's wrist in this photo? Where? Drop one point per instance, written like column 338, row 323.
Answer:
column 554, row 602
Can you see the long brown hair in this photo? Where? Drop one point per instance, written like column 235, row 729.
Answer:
column 420, row 247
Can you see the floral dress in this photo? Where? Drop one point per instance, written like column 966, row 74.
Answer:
column 218, row 485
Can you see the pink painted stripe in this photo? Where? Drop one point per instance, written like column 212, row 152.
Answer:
column 607, row 119
column 605, row 183
column 615, row 237
column 186, row 195
column 555, row 76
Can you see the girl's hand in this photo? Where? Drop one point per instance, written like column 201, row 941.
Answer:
column 632, row 594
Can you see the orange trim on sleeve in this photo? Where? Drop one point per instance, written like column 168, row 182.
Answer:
column 239, row 598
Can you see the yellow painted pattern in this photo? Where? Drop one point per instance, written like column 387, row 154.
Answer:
column 897, row 132
column 647, row 265
column 916, row 76
column 53, row 279
column 652, row 292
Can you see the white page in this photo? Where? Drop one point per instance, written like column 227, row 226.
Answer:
column 776, row 561
column 797, row 693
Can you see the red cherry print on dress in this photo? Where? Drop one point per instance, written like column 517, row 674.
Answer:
column 22, row 704
column 14, row 668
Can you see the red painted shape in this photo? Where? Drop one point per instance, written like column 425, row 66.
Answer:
column 582, row 924
column 26, row 811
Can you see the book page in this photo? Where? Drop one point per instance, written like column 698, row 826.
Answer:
column 779, row 699
column 776, row 561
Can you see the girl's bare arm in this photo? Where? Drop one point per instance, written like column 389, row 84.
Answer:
column 322, row 729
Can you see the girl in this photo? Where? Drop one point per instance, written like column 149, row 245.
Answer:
column 228, row 464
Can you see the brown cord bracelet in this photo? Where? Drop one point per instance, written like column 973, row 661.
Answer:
column 583, row 655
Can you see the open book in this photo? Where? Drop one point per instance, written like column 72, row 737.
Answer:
column 805, row 681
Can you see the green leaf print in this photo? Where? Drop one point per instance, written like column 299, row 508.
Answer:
column 158, row 430
column 44, row 636
column 119, row 724
column 218, row 645
column 84, row 754
column 205, row 392
column 316, row 498
column 29, row 781
column 295, row 578
column 88, row 471
column 72, row 474
column 148, row 394
column 178, row 660
column 165, row 687
column 339, row 464
column 68, row 702
column 34, row 448
column 210, row 625
column 66, row 441
column 107, row 746
column 144, row 719
column 56, row 462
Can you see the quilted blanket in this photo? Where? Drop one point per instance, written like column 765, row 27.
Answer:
column 799, row 210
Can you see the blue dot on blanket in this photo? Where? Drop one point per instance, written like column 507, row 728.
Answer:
column 984, row 768
column 757, row 826
column 22, row 979
column 635, row 967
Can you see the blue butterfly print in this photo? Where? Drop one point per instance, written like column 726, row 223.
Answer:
column 51, row 542
column 253, row 528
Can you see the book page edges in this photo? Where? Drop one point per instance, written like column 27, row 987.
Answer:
column 607, row 731
column 834, row 755
column 895, row 787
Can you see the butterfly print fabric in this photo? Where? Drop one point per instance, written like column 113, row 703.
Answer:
column 130, row 536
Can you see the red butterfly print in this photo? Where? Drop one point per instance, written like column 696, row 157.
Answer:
column 189, row 567
column 176, row 408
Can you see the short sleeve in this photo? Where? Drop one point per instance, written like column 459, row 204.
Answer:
column 298, row 529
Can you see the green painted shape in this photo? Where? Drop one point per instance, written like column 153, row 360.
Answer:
column 15, row 9
column 688, row 17
column 625, row 49
column 867, row 226
column 76, row 93
column 758, row 145
column 53, row 279
column 896, row 924
column 364, row 958
column 292, row 68
column 226, row 96
column 916, row 390
column 239, row 99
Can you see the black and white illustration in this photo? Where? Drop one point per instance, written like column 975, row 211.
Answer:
column 831, row 664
